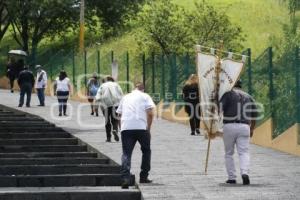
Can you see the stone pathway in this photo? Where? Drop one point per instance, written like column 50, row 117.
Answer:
column 178, row 158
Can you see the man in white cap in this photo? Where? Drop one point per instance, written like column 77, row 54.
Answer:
column 41, row 84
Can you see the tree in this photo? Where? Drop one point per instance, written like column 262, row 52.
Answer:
column 170, row 28
column 114, row 14
column 4, row 22
column 34, row 20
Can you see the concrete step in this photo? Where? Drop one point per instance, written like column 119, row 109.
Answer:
column 49, row 155
column 36, row 135
column 70, row 193
column 10, row 114
column 28, row 124
column 14, row 118
column 21, row 129
column 64, row 180
column 42, row 148
column 52, row 161
column 59, row 169
column 51, row 141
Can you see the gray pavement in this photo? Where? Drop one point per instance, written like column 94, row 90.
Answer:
column 178, row 158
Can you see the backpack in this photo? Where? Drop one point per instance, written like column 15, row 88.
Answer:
column 93, row 90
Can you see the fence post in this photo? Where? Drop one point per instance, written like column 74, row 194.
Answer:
column 153, row 72
column 187, row 66
column 112, row 56
column 250, row 91
column 174, row 77
column 297, row 70
column 73, row 67
column 98, row 62
column 271, row 89
column 85, row 68
column 144, row 70
column 127, row 70
column 163, row 91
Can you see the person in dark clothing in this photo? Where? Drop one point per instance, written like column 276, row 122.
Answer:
column 192, row 107
column 12, row 72
column 240, row 113
column 26, row 83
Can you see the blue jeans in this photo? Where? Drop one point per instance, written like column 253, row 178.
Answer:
column 41, row 95
column 129, row 138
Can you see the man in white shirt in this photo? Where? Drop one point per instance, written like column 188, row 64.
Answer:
column 109, row 95
column 41, row 84
column 136, row 111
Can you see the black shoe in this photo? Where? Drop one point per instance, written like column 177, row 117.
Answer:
column 92, row 113
column 65, row 114
column 97, row 114
column 193, row 133
column 246, row 180
column 12, row 91
column 116, row 137
column 20, row 105
column 60, row 114
column 27, row 106
column 198, row 131
column 145, row 180
column 108, row 140
column 125, row 184
column 41, row 105
column 231, row 181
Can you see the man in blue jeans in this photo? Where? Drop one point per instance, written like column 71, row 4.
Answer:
column 136, row 110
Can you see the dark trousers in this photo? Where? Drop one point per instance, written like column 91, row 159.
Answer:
column 25, row 89
column 62, row 97
column 12, row 79
column 41, row 95
column 194, row 114
column 129, row 138
column 111, row 120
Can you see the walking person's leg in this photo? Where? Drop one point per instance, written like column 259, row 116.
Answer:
column 42, row 97
column 65, row 102
column 11, row 82
column 229, row 144
column 189, row 111
column 96, row 107
column 115, row 123
column 144, row 139
column 22, row 94
column 242, row 144
column 107, row 112
column 60, row 102
column 28, row 95
column 128, row 138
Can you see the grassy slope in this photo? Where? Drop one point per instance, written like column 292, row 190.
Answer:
column 259, row 19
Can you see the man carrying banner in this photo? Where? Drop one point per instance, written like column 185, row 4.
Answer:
column 239, row 115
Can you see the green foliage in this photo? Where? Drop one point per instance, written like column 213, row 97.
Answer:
column 4, row 22
column 170, row 28
column 34, row 20
column 113, row 14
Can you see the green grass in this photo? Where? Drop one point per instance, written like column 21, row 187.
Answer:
column 260, row 20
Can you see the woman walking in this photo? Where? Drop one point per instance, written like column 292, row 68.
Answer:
column 62, row 90
column 192, row 107
column 92, row 88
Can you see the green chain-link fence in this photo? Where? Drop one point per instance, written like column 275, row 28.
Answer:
column 271, row 79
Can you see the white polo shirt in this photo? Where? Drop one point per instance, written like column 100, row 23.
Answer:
column 62, row 85
column 133, row 108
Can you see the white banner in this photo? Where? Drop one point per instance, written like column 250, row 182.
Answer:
column 206, row 69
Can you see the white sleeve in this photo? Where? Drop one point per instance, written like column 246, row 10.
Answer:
column 120, row 107
column 149, row 102
column 98, row 95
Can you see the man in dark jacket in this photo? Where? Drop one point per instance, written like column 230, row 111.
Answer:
column 26, row 83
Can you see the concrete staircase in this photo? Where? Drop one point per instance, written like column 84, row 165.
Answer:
column 39, row 161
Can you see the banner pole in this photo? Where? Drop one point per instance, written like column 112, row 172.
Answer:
column 207, row 155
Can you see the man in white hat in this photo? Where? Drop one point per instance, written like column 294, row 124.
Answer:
column 41, row 84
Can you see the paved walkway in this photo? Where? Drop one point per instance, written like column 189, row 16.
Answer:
column 178, row 159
